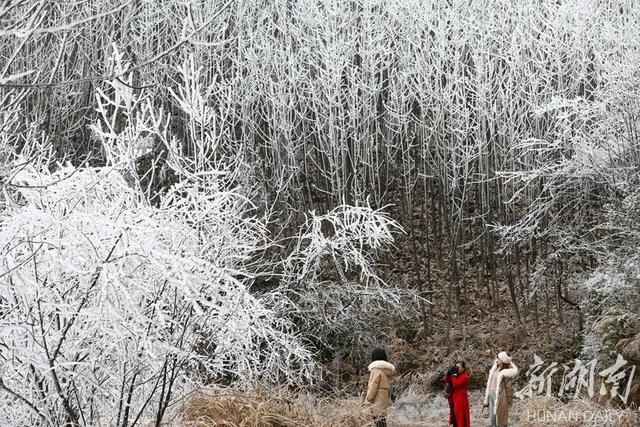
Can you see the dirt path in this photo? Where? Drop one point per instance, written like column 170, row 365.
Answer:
column 412, row 410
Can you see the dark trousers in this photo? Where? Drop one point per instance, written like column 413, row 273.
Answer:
column 380, row 422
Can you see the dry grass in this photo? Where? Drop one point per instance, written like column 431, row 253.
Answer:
column 264, row 408
column 236, row 409
column 271, row 409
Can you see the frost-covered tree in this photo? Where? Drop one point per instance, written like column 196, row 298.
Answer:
column 118, row 297
column 566, row 187
column 497, row 129
column 110, row 306
column 330, row 286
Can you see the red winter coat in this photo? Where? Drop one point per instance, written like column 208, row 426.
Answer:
column 459, row 415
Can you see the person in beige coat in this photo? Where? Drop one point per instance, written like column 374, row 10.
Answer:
column 379, row 385
column 499, row 393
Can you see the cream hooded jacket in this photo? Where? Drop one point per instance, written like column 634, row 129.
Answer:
column 507, row 373
column 379, row 385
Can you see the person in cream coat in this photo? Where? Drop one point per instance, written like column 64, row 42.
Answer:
column 499, row 393
column 380, row 373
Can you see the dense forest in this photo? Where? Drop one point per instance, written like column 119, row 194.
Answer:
column 242, row 194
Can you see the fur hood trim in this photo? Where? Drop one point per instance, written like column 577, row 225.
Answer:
column 386, row 367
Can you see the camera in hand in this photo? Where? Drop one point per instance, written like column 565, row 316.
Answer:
column 452, row 371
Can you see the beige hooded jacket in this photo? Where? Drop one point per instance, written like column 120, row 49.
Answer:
column 503, row 395
column 379, row 385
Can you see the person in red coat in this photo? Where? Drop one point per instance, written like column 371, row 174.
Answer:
column 458, row 381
